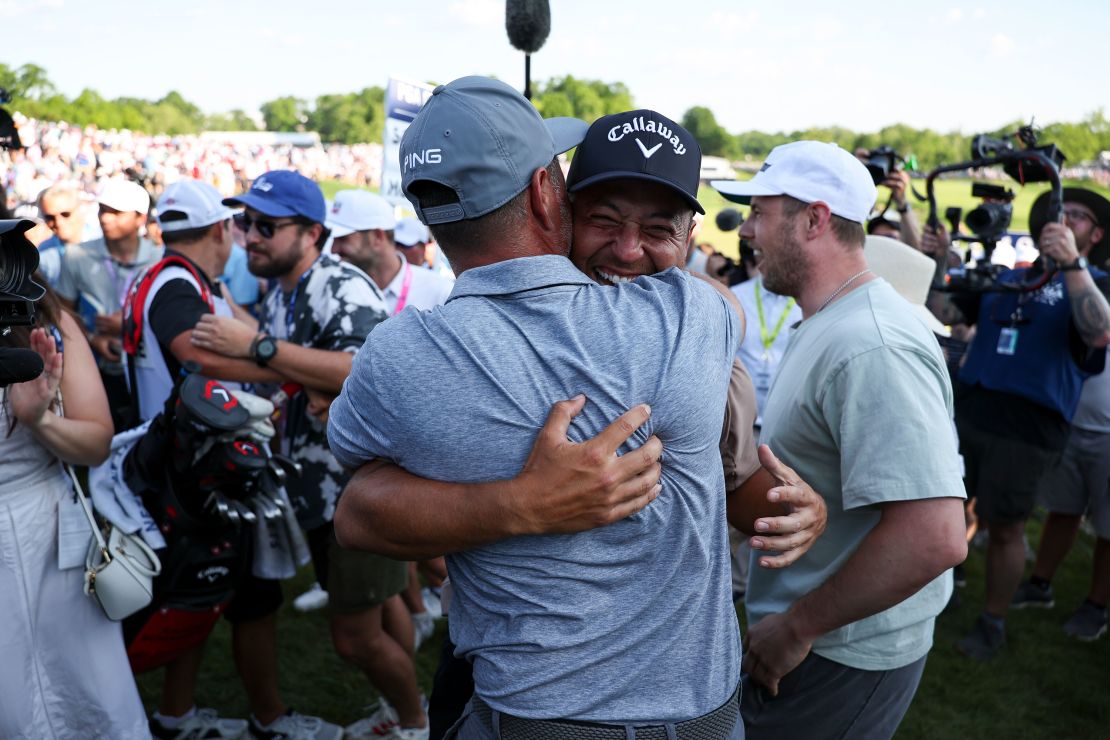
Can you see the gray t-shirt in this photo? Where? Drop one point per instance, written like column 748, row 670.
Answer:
column 861, row 408
column 89, row 272
column 633, row 621
column 1093, row 413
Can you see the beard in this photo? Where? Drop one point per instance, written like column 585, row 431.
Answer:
column 267, row 266
column 784, row 268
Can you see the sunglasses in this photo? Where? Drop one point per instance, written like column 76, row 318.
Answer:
column 265, row 228
column 48, row 217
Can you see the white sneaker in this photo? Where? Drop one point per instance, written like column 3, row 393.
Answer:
column 296, row 726
column 374, row 727
column 407, row 733
column 204, row 723
column 431, row 603
column 312, row 599
column 424, row 626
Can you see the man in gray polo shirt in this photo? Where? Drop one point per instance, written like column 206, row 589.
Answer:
column 862, row 409
column 95, row 276
column 557, row 626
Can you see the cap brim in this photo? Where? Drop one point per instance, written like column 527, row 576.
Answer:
column 339, row 230
column 932, row 321
column 624, row 175
column 262, row 205
column 741, row 191
column 215, row 218
column 566, row 133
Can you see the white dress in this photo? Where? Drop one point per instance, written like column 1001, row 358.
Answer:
column 63, row 668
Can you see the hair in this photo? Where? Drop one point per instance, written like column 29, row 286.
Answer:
column 62, row 188
column 460, row 234
column 848, row 233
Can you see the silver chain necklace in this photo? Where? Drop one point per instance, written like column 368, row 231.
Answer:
column 839, row 290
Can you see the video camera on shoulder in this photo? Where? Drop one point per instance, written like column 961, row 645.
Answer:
column 991, row 219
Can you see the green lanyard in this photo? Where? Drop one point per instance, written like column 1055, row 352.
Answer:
column 764, row 337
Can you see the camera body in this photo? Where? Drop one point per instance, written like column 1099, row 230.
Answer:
column 881, row 163
column 18, row 261
column 990, row 220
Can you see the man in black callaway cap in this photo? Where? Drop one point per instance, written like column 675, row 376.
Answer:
column 547, row 605
column 1020, row 388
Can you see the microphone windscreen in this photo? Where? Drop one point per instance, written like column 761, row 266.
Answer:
column 19, row 365
column 528, row 23
column 729, row 219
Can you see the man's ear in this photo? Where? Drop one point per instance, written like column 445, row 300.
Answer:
column 818, row 219
column 1097, row 234
column 543, row 200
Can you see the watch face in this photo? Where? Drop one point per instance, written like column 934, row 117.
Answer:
column 267, row 348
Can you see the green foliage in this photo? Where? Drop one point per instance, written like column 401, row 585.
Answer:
column 710, row 135
column 350, row 118
column 284, row 114
column 585, row 99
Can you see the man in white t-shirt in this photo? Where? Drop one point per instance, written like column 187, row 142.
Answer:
column 362, row 225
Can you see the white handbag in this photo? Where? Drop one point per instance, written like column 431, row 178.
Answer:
column 119, row 571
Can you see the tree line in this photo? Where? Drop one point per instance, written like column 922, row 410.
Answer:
column 356, row 117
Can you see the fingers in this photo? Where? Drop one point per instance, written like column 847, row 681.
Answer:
column 560, row 416
column 754, row 668
column 776, row 467
column 635, row 504
column 625, row 425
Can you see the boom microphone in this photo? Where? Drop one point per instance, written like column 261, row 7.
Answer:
column 19, row 365
column 527, row 22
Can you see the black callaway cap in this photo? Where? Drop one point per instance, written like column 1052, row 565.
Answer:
column 640, row 144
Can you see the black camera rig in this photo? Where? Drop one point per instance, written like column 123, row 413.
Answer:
column 990, row 220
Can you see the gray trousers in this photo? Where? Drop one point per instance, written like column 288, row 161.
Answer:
column 824, row 700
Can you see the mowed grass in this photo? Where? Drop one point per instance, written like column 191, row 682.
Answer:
column 1045, row 686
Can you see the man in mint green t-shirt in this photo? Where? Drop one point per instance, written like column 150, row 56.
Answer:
column 862, row 410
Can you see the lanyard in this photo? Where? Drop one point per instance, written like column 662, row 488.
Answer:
column 405, row 285
column 292, row 302
column 764, row 337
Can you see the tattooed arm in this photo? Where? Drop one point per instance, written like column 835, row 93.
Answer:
column 1090, row 312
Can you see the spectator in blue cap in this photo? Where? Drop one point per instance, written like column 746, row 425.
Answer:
column 309, row 327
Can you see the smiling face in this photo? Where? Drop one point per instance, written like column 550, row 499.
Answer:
column 628, row 227
column 773, row 232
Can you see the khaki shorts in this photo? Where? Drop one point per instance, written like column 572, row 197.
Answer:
column 1080, row 483
column 360, row 580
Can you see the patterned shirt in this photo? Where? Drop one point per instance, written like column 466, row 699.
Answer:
column 334, row 307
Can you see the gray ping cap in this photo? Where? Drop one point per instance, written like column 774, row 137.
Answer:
column 482, row 139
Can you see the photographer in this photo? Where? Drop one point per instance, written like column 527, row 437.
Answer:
column 1020, row 387
column 884, row 163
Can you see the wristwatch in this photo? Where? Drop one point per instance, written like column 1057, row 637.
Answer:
column 903, row 208
column 1079, row 264
column 263, row 349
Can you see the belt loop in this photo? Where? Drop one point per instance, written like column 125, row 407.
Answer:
column 672, row 733
column 629, row 732
column 495, row 720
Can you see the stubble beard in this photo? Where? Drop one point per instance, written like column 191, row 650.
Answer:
column 272, row 267
column 785, row 269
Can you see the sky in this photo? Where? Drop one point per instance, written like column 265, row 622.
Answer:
column 768, row 66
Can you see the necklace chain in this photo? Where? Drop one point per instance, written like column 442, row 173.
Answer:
column 839, row 290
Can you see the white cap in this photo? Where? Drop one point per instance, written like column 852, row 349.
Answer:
column 908, row 271
column 410, row 232
column 199, row 201
column 359, row 210
column 124, row 195
column 810, row 171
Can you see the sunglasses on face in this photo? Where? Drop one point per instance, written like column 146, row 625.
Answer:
column 48, row 217
column 265, row 228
